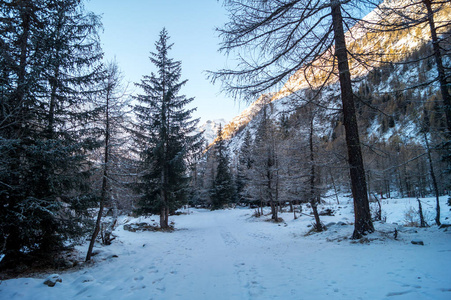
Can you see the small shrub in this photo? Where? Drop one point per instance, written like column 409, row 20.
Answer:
column 257, row 213
column 411, row 218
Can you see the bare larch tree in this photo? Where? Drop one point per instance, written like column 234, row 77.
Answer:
column 277, row 38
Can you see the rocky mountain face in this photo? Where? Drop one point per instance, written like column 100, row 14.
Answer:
column 397, row 102
column 381, row 76
column 210, row 129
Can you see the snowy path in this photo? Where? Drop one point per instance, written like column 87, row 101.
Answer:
column 228, row 255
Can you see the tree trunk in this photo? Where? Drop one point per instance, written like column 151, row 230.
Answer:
column 434, row 181
column 440, row 68
column 420, row 212
column 163, row 222
column 271, row 199
column 273, row 211
column 335, row 187
column 313, row 196
column 400, row 184
column 318, row 226
column 166, row 217
column 20, row 103
column 109, row 229
column 163, row 213
column 378, row 216
column 53, row 82
column 363, row 223
column 51, row 118
column 104, row 193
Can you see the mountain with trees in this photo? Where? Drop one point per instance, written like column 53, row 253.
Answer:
column 393, row 86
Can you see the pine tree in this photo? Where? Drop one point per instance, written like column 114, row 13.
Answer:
column 223, row 189
column 166, row 132
column 47, row 68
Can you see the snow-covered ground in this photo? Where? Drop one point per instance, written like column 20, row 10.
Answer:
column 229, row 254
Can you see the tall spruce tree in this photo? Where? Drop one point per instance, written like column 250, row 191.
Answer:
column 167, row 133
column 48, row 64
column 223, row 189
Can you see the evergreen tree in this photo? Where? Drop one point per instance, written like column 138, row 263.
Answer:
column 166, row 132
column 47, row 68
column 223, row 189
column 205, row 169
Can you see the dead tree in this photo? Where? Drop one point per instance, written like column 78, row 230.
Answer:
column 420, row 212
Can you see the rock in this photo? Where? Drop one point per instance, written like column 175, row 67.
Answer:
column 64, row 263
column 52, row 280
column 407, row 230
column 96, row 252
column 84, row 279
column 326, row 212
column 364, row 240
column 444, row 226
column 417, row 242
column 129, row 228
column 135, row 227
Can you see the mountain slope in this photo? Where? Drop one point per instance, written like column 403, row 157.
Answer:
column 397, row 46
column 210, row 129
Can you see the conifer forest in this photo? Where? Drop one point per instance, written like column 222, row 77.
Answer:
column 341, row 154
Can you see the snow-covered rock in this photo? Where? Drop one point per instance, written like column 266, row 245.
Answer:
column 52, row 280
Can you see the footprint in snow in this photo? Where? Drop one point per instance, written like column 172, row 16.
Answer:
column 138, row 287
column 229, row 239
column 398, row 293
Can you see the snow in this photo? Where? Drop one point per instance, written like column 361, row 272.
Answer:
column 229, row 254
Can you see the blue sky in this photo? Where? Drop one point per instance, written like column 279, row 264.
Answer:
column 131, row 28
